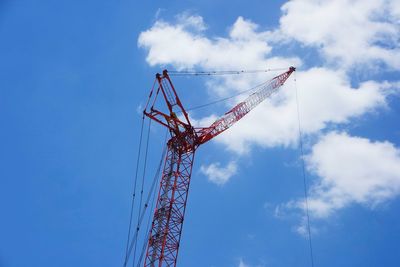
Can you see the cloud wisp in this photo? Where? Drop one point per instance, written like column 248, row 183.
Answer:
column 217, row 174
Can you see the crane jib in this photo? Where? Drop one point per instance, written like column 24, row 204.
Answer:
column 244, row 107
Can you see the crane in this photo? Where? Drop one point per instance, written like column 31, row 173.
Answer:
column 166, row 228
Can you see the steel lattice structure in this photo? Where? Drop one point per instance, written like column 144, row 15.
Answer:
column 166, row 228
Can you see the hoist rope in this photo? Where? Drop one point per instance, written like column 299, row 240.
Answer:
column 156, row 178
column 226, row 98
column 142, row 187
column 134, row 188
column 223, row 72
column 144, row 209
column 304, row 174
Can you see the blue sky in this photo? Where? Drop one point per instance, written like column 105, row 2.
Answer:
column 74, row 74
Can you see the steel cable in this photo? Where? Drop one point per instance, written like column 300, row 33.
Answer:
column 134, row 188
column 226, row 98
column 156, row 178
column 215, row 73
column 143, row 211
column 142, row 187
column 304, row 175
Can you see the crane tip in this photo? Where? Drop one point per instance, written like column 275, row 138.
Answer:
column 292, row 68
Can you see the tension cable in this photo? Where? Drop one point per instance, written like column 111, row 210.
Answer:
column 134, row 188
column 157, row 176
column 304, row 174
column 143, row 210
column 142, row 187
column 215, row 73
column 225, row 98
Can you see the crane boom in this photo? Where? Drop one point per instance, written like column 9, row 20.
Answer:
column 167, row 223
column 244, row 107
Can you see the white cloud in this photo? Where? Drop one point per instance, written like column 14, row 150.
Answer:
column 351, row 170
column 347, row 32
column 202, row 122
column 394, row 8
column 189, row 21
column 186, row 47
column 325, row 96
column 217, row 174
column 242, row 264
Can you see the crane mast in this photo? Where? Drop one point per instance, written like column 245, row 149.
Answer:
column 168, row 218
